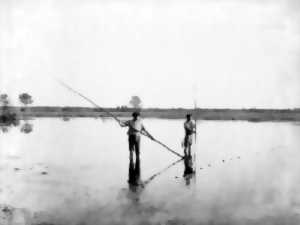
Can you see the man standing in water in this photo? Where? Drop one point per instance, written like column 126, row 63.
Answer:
column 135, row 129
column 189, row 128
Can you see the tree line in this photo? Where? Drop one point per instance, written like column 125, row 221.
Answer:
column 24, row 98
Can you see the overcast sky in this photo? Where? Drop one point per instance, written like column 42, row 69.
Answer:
column 229, row 53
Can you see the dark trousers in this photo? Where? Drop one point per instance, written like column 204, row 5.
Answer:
column 134, row 144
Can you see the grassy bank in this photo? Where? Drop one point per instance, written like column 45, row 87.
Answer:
column 202, row 114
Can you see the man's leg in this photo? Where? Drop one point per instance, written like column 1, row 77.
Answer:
column 131, row 174
column 186, row 146
column 189, row 150
column 131, row 147
column 137, row 147
column 137, row 169
column 185, row 151
column 189, row 144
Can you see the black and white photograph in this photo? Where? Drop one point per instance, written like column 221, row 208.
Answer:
column 149, row 112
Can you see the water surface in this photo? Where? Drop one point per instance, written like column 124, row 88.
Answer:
column 76, row 172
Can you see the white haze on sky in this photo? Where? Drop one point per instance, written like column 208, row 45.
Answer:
column 230, row 53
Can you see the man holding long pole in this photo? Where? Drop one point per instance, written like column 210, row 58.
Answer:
column 135, row 128
column 117, row 119
column 189, row 128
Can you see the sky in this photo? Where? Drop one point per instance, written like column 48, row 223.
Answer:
column 219, row 54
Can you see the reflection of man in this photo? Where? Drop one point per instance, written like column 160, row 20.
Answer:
column 188, row 169
column 189, row 128
column 188, row 165
column 134, row 173
column 134, row 180
column 134, row 133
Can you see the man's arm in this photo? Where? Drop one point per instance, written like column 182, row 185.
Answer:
column 124, row 123
column 194, row 128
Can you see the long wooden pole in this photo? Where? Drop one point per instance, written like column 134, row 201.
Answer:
column 116, row 118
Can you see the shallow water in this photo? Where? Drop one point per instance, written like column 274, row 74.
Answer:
column 76, row 172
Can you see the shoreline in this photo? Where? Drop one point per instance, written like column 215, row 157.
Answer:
column 254, row 115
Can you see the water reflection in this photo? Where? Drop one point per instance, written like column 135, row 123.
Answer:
column 4, row 129
column 260, row 187
column 9, row 120
column 135, row 185
column 26, row 128
column 189, row 170
column 65, row 118
column 134, row 173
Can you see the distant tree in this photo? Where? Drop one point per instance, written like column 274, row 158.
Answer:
column 4, row 99
column 25, row 98
column 135, row 102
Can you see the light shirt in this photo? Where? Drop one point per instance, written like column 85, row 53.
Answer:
column 134, row 127
column 189, row 127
